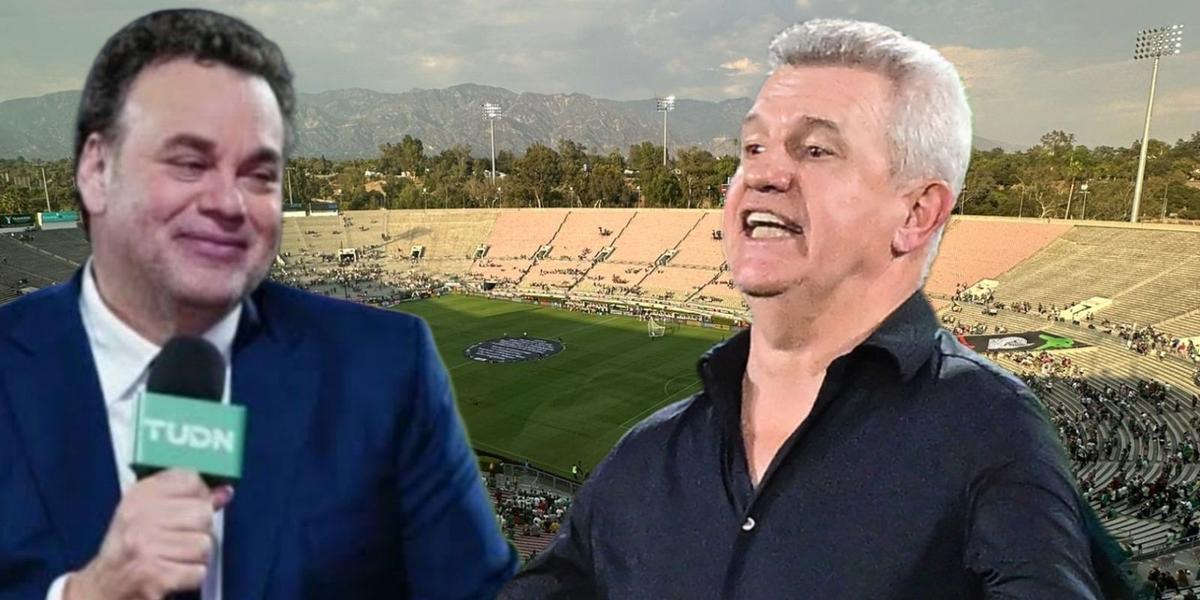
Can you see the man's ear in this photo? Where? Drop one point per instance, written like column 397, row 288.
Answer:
column 929, row 206
column 93, row 174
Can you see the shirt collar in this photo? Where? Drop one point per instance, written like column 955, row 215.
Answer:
column 906, row 336
column 122, row 353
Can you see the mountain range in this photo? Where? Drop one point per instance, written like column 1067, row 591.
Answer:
column 353, row 123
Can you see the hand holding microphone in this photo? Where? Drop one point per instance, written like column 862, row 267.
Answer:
column 159, row 541
column 187, row 450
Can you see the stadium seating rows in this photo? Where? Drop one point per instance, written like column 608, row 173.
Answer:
column 972, row 250
column 23, row 264
column 1151, row 274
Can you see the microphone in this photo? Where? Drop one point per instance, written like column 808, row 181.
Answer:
column 181, row 421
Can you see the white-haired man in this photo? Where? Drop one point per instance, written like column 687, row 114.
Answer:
column 844, row 446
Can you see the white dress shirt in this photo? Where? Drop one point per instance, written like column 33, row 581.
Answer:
column 122, row 361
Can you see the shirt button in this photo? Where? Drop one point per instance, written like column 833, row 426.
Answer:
column 749, row 524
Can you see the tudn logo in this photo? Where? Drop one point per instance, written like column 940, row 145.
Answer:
column 198, row 437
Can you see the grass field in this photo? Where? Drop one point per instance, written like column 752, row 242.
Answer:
column 572, row 406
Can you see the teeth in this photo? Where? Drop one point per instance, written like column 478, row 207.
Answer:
column 768, row 232
column 762, row 218
column 762, row 225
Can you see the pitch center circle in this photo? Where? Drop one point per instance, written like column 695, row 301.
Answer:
column 513, row 349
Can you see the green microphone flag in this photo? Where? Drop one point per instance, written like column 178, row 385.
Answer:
column 202, row 436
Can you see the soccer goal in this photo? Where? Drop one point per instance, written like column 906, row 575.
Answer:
column 656, row 330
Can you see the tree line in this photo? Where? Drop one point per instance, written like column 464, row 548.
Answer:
column 406, row 175
column 1057, row 178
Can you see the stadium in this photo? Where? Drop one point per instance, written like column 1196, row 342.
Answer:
column 562, row 328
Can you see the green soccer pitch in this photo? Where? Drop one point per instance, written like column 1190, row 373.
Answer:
column 572, row 406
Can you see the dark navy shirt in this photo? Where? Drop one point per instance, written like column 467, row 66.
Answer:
column 923, row 471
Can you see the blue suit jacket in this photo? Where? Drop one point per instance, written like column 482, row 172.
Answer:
column 357, row 483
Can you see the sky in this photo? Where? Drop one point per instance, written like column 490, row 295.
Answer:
column 1030, row 66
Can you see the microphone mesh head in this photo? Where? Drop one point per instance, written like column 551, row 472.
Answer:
column 188, row 366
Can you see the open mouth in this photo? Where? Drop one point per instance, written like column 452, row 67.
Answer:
column 760, row 224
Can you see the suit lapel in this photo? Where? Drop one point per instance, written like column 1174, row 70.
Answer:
column 275, row 375
column 54, row 391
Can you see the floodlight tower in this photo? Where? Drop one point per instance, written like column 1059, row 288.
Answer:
column 664, row 106
column 492, row 112
column 1152, row 43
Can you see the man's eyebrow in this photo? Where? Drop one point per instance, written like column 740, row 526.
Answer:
column 191, row 141
column 807, row 123
column 811, row 123
column 265, row 155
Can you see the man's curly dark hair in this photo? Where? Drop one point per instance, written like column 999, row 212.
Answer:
column 203, row 35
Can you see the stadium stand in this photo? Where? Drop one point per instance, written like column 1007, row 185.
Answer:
column 676, row 283
column 652, row 232
column 23, row 265
column 576, row 244
column 1133, row 448
column 449, row 238
column 555, row 275
column 613, row 278
column 1165, row 296
column 366, row 228
column 720, row 294
column 1187, row 326
column 514, row 241
column 529, row 518
column 324, row 234
column 68, row 244
column 975, row 248
column 519, row 233
column 293, row 238
column 500, row 271
column 584, row 232
column 448, row 234
column 1126, row 406
column 1104, row 261
column 701, row 248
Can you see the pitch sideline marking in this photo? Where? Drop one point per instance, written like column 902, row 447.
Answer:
column 657, row 405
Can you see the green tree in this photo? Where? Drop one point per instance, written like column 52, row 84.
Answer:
column 1057, row 142
column 447, row 176
column 480, row 192
column 614, row 158
column 698, row 177
column 504, row 162
column 539, row 172
column 1045, row 180
column 411, row 197
column 663, row 190
column 645, row 158
column 574, row 160
column 412, row 155
column 394, row 190
column 407, row 156
column 605, row 186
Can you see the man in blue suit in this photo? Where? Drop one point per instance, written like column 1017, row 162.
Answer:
column 358, row 480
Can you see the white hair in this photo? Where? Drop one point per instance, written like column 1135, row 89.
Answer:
column 930, row 132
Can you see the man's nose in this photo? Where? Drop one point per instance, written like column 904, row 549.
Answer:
column 225, row 199
column 770, row 172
